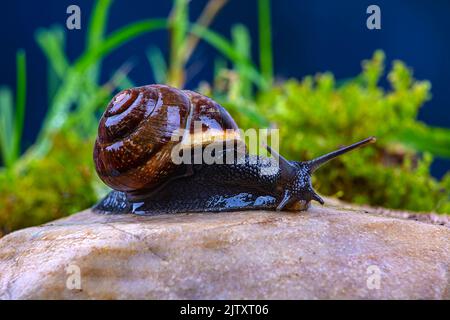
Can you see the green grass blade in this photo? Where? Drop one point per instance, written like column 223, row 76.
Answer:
column 52, row 84
column 158, row 64
column 97, row 23
column 265, row 40
column 219, row 42
column 227, row 49
column 96, row 31
column 21, row 93
column 52, row 41
column 241, row 42
column 6, row 120
column 178, row 26
column 117, row 39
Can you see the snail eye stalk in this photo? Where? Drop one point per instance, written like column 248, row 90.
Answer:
column 318, row 162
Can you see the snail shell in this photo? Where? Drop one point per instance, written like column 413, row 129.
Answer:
column 136, row 133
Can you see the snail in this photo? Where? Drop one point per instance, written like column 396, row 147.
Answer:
column 134, row 155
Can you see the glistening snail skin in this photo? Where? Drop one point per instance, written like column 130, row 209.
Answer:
column 132, row 155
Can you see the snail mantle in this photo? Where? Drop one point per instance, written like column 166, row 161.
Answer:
column 326, row 252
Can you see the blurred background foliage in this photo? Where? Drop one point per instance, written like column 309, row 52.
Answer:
column 55, row 176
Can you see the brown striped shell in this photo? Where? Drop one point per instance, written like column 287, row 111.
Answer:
column 133, row 148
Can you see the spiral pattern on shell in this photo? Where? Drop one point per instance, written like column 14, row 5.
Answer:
column 133, row 148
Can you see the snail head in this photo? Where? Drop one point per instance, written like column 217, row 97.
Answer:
column 295, row 177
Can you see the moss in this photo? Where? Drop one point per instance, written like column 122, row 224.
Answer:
column 52, row 187
column 317, row 115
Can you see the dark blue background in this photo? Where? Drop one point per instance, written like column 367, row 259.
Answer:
column 308, row 37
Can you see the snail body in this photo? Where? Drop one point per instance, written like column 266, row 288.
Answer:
column 134, row 151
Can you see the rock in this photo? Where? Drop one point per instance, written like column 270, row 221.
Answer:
column 326, row 252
